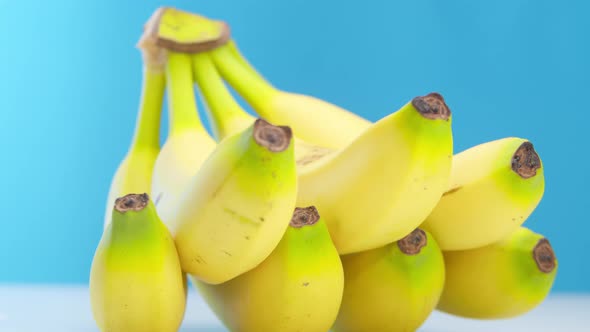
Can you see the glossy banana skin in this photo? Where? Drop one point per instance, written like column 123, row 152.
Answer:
column 487, row 198
column 502, row 280
column 136, row 282
column 297, row 288
column 388, row 289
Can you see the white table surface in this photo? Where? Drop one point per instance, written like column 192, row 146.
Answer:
column 26, row 308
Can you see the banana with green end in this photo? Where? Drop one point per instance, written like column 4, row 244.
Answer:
column 392, row 288
column 238, row 205
column 134, row 173
column 226, row 116
column 136, row 282
column 188, row 144
column 502, row 280
column 297, row 288
column 307, row 115
column 494, row 187
column 393, row 174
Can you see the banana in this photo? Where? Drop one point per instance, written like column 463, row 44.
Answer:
column 494, row 187
column 226, row 116
column 136, row 283
column 393, row 174
column 392, row 288
column 237, row 207
column 501, row 280
column 297, row 288
column 134, row 173
column 307, row 115
column 188, row 144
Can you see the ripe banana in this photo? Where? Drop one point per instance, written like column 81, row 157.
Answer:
column 393, row 174
column 501, row 280
column 494, row 188
column 134, row 173
column 188, row 143
column 297, row 288
column 237, row 207
column 136, row 283
column 392, row 288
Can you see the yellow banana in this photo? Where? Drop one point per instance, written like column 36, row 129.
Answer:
column 393, row 174
column 392, row 288
column 134, row 173
column 226, row 116
column 494, row 187
column 297, row 288
column 501, row 280
column 136, row 283
column 237, row 207
column 307, row 115
column 188, row 143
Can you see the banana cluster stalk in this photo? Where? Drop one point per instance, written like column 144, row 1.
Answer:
column 407, row 226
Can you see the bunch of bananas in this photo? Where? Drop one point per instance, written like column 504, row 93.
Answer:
column 308, row 218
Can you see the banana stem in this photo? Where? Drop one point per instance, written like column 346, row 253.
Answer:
column 182, row 106
column 147, row 127
column 257, row 91
column 225, row 114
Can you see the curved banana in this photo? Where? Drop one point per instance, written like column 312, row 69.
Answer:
column 136, row 283
column 494, row 187
column 134, row 173
column 392, row 288
column 297, row 288
column 226, row 116
column 501, row 280
column 188, row 143
column 307, row 115
column 237, row 207
column 393, row 174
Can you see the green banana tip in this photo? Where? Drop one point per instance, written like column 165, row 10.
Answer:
column 432, row 106
column 274, row 138
column 526, row 161
column 305, row 216
column 544, row 256
column 412, row 243
column 132, row 202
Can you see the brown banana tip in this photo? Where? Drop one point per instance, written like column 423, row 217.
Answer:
column 274, row 138
column 132, row 202
column 413, row 242
column 544, row 256
column 304, row 216
column 432, row 106
column 526, row 161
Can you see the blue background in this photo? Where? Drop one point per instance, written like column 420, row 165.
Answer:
column 71, row 76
